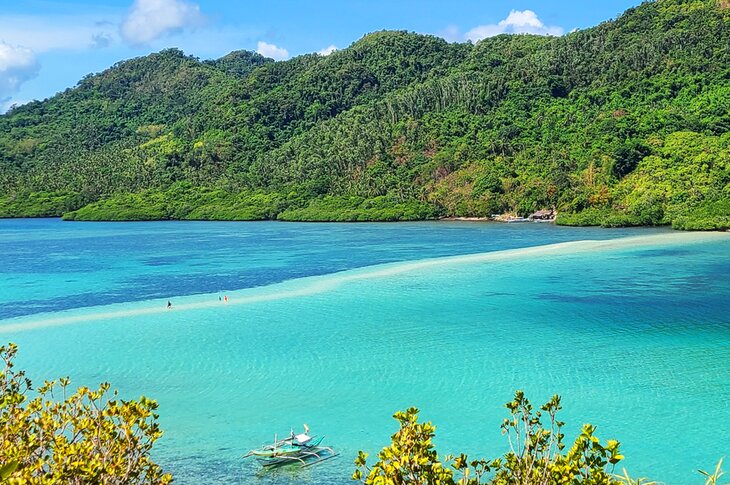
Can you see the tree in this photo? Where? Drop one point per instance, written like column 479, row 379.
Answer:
column 536, row 450
column 410, row 459
column 88, row 436
column 536, row 454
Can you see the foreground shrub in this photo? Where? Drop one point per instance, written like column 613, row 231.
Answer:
column 78, row 438
column 537, row 454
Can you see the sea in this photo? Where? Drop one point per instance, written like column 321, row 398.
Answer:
column 339, row 326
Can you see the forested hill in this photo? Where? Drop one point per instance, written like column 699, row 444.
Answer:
column 624, row 123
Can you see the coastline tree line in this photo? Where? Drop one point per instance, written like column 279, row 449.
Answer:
column 625, row 123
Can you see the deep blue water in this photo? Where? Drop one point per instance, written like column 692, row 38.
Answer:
column 340, row 325
column 50, row 265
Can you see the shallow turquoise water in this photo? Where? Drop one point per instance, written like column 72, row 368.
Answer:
column 341, row 325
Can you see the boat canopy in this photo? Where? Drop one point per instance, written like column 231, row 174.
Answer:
column 303, row 438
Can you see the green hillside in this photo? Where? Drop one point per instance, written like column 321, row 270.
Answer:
column 626, row 123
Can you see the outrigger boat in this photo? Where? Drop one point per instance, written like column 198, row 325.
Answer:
column 298, row 449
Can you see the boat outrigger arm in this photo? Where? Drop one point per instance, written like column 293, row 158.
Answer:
column 304, row 457
column 329, row 453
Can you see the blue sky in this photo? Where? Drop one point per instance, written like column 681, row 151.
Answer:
column 46, row 46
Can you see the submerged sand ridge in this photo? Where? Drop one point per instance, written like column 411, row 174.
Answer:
column 319, row 284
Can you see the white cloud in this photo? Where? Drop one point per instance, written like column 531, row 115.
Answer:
column 517, row 22
column 327, row 50
column 151, row 19
column 43, row 34
column 270, row 50
column 523, row 19
column 17, row 65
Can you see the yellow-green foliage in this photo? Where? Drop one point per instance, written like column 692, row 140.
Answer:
column 473, row 190
column 151, row 131
column 86, row 436
column 164, row 146
column 687, row 168
column 537, row 454
column 411, row 458
column 684, row 182
column 713, row 478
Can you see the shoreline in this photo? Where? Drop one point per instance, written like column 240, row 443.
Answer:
column 502, row 220
column 554, row 222
column 510, row 220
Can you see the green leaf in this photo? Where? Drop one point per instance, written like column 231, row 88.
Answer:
column 7, row 469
